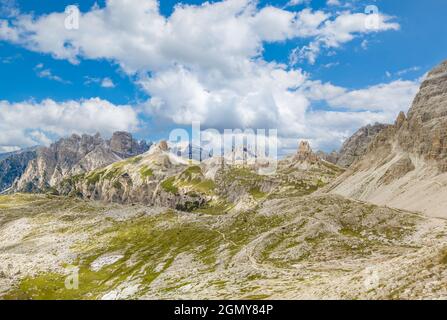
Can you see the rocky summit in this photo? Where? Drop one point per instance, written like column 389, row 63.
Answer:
column 405, row 164
column 13, row 165
column 138, row 224
column 75, row 155
column 356, row 146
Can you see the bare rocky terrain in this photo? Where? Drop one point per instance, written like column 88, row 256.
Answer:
column 74, row 155
column 252, row 237
column 153, row 225
column 311, row 247
column 13, row 165
column 405, row 164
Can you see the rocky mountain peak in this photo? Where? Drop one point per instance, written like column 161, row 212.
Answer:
column 305, row 153
column 357, row 145
column 422, row 132
column 401, row 118
column 407, row 161
column 13, row 165
column 124, row 144
column 74, row 155
column 162, row 145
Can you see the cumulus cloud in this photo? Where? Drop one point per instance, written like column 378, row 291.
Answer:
column 134, row 33
column 107, row 83
column 46, row 73
column 344, row 28
column 333, row 3
column 34, row 123
column 204, row 62
column 386, row 97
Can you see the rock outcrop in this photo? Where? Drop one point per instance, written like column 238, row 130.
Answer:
column 305, row 155
column 156, row 178
column 75, row 155
column 329, row 157
column 356, row 146
column 405, row 165
column 123, row 144
column 13, row 165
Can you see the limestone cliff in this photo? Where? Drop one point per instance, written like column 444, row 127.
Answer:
column 74, row 155
column 405, row 165
column 13, row 165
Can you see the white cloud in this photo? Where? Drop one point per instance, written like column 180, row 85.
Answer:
column 30, row 123
column 293, row 3
column 260, row 98
column 344, row 28
column 8, row 8
column 205, row 62
column 333, row 3
column 103, row 82
column 46, row 73
column 386, row 97
column 107, row 83
column 8, row 149
column 7, row 32
column 235, row 30
column 364, row 44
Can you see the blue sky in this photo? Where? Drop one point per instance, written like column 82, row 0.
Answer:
column 153, row 79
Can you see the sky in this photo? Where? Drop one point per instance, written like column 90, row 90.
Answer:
column 312, row 69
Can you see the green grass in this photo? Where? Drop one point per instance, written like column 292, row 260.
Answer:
column 191, row 171
column 134, row 160
column 350, row 232
column 117, row 185
column 205, row 186
column 113, row 173
column 94, row 177
column 168, row 185
column 215, row 207
column 444, row 258
column 146, row 172
column 193, row 178
column 256, row 193
column 147, row 241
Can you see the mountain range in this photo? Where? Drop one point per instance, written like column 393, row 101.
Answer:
column 142, row 222
column 45, row 167
column 405, row 165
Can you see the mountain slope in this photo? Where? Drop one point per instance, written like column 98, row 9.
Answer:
column 215, row 230
column 75, row 155
column 159, row 177
column 310, row 247
column 356, row 146
column 405, row 165
column 13, row 165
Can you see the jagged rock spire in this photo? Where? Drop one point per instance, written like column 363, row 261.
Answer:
column 401, row 118
column 305, row 152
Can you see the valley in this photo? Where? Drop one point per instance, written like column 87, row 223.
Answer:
column 122, row 219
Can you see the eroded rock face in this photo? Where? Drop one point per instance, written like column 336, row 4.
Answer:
column 74, row 155
column 398, row 170
column 329, row 157
column 357, row 145
column 405, row 164
column 424, row 131
column 305, row 153
column 13, row 165
column 124, row 144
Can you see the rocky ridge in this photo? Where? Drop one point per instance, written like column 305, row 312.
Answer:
column 75, row 155
column 162, row 178
column 292, row 247
column 405, row 165
column 357, row 145
column 13, row 165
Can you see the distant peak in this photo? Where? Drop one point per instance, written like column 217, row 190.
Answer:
column 305, row 152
